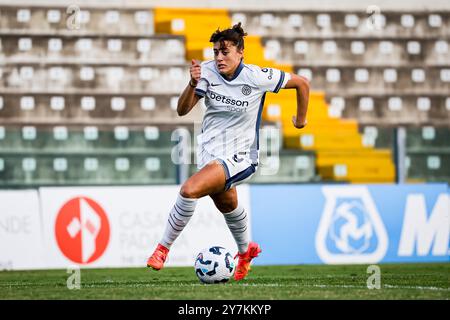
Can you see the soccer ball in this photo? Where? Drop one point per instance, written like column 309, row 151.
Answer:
column 214, row 265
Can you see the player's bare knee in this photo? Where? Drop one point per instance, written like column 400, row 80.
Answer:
column 188, row 190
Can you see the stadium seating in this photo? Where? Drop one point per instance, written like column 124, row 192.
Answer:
column 65, row 48
column 111, row 78
column 255, row 55
column 93, row 20
column 92, row 106
column 427, row 149
column 116, row 74
column 337, row 23
column 428, row 154
column 59, row 155
column 84, row 169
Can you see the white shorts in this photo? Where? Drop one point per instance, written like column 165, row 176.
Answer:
column 238, row 168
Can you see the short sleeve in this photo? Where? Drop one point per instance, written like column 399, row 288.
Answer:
column 270, row 79
column 202, row 85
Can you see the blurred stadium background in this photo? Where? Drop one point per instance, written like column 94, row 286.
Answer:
column 102, row 88
column 88, row 93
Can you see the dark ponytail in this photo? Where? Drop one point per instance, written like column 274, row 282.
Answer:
column 234, row 34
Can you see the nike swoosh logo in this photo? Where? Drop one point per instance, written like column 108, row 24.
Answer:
column 215, row 84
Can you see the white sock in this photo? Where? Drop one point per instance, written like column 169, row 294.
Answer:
column 237, row 223
column 179, row 216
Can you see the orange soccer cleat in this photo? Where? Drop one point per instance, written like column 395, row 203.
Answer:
column 245, row 259
column 159, row 256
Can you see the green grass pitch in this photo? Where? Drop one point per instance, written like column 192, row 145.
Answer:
column 398, row 281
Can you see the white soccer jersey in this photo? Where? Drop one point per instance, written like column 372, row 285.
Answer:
column 233, row 107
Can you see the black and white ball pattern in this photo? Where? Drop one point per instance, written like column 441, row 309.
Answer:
column 214, row 265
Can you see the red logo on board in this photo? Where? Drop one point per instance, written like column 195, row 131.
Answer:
column 82, row 230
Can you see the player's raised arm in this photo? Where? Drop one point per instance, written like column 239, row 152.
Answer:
column 188, row 98
column 301, row 84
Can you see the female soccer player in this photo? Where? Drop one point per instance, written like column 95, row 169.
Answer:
column 228, row 146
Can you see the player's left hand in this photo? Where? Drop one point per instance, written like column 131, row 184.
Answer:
column 298, row 123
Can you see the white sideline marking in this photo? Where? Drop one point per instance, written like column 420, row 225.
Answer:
column 416, row 287
column 387, row 286
column 177, row 285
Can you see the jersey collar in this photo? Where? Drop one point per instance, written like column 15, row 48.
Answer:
column 236, row 73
